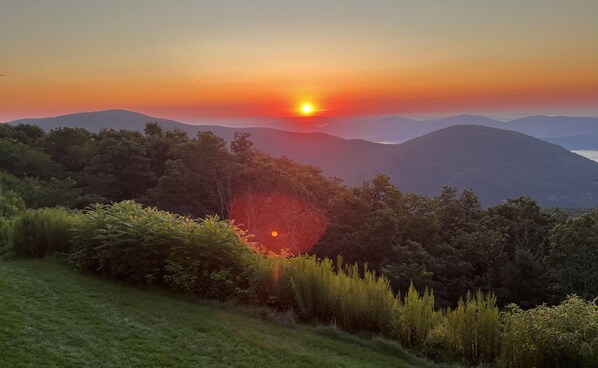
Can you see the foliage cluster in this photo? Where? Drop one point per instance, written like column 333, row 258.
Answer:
column 452, row 245
column 36, row 233
column 144, row 245
column 564, row 335
column 572, row 262
column 11, row 205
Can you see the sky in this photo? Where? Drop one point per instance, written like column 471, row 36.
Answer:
column 200, row 60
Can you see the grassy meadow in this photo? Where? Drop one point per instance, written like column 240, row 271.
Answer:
column 51, row 316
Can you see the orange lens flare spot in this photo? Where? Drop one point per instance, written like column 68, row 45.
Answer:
column 298, row 224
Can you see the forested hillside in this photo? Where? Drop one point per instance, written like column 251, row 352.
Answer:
column 449, row 243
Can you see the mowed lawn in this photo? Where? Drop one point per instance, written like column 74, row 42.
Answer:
column 51, row 316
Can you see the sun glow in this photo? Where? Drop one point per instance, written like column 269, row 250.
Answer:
column 307, row 109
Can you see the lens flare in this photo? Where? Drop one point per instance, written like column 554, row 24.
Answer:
column 298, row 224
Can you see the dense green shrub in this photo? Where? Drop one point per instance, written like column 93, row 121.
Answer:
column 213, row 260
column 140, row 244
column 342, row 296
column 128, row 241
column 36, row 233
column 565, row 335
column 11, row 204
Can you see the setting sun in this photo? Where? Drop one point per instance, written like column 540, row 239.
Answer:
column 307, row 108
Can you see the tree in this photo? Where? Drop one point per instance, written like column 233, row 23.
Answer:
column 21, row 160
column 24, row 133
column 195, row 178
column 39, row 193
column 160, row 145
column 121, row 169
column 526, row 230
column 573, row 258
column 73, row 148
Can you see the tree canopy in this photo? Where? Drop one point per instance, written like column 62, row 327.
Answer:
column 448, row 243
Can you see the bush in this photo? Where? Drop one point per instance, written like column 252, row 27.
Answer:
column 213, row 261
column 36, row 233
column 128, row 241
column 10, row 203
column 365, row 304
column 144, row 245
column 565, row 335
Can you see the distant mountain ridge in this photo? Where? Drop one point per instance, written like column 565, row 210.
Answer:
column 97, row 120
column 574, row 133
column 496, row 163
column 564, row 130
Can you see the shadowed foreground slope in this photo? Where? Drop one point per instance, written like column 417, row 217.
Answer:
column 53, row 317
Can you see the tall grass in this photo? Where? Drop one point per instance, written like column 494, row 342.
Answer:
column 417, row 317
column 342, row 296
column 11, row 205
column 271, row 283
column 473, row 329
column 36, row 233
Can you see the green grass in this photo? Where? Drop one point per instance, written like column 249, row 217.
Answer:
column 51, row 316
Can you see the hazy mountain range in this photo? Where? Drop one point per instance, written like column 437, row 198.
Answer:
column 463, row 151
column 576, row 133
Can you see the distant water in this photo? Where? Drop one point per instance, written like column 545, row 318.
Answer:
column 592, row 155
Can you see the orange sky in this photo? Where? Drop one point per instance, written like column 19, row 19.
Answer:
column 236, row 59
